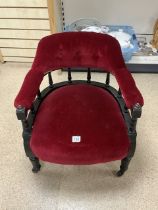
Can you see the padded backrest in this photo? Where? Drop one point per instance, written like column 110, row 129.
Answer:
column 78, row 49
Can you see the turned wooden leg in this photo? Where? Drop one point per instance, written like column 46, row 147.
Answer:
column 124, row 166
column 36, row 164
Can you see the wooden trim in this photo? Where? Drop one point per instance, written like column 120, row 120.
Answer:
column 33, row 29
column 25, row 48
column 22, row 3
column 1, row 57
column 12, row 56
column 18, row 59
column 23, row 13
column 24, row 7
column 8, row 52
column 19, row 39
column 30, row 62
column 24, row 23
column 9, row 18
column 51, row 14
column 18, row 43
column 22, row 34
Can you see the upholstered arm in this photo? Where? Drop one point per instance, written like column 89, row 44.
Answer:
column 130, row 92
column 29, row 89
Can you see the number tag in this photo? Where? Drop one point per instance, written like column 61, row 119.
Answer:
column 76, row 139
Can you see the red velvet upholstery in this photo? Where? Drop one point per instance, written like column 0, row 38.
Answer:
column 78, row 49
column 79, row 110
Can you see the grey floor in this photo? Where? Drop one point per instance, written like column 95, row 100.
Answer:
column 59, row 187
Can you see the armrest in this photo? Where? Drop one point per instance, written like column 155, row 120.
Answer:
column 130, row 92
column 29, row 89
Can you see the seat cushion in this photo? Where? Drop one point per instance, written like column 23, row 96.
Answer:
column 85, row 111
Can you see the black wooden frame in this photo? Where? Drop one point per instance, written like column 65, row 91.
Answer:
column 27, row 117
column 133, row 68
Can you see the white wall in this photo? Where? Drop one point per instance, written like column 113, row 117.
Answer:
column 141, row 14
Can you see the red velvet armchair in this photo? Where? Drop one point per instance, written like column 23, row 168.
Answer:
column 79, row 122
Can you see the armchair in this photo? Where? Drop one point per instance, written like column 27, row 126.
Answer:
column 79, row 122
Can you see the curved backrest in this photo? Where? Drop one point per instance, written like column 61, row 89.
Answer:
column 78, row 49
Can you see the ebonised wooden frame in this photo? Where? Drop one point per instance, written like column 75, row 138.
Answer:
column 27, row 117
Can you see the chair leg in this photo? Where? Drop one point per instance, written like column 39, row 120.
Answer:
column 36, row 164
column 124, row 166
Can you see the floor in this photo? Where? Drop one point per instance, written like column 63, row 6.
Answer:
column 59, row 187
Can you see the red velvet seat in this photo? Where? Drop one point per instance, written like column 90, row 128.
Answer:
column 94, row 114
column 79, row 110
